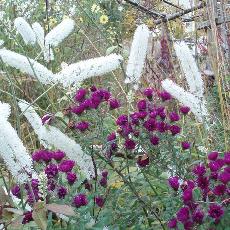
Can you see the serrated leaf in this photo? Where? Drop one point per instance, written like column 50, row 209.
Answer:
column 39, row 215
column 61, row 209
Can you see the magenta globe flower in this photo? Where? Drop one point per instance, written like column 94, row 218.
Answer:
column 80, row 200
column 66, row 165
column 185, row 145
column 78, row 109
column 173, row 116
column 27, row 217
column 198, row 216
column 122, row 120
column 184, row 109
column 129, row 144
column 80, row 95
column 187, row 196
column 148, row 93
column 154, row 140
column 174, row 182
column 111, row 136
column 219, row 190
column 199, row 170
column 172, row 223
column 213, row 156
column 183, row 214
column 227, row 158
column 16, row 191
column 103, row 182
column 113, row 103
column 215, row 211
column 224, row 177
column 47, row 119
column 165, row 96
column 58, row 155
column 143, row 161
column 71, row 177
column 82, row 126
column 175, row 129
column 142, row 105
column 51, row 171
column 99, row 200
column 61, row 192
column 105, row 173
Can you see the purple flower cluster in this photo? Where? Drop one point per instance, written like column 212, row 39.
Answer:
column 32, row 189
column 16, row 191
column 99, row 200
column 47, row 155
column 91, row 99
column 55, row 163
column 212, row 182
column 27, row 217
column 104, row 179
column 151, row 117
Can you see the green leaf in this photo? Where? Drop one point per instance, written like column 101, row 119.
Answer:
column 111, row 49
column 39, row 215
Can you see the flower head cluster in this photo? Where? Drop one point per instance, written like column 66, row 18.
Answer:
column 54, row 164
column 211, row 181
column 89, row 100
column 152, row 120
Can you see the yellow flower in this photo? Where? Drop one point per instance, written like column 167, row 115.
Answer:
column 52, row 22
column 81, row 19
column 95, row 8
column 104, row 19
column 57, row 50
column 56, row 8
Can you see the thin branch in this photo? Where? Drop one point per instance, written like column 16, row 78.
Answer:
column 154, row 14
column 171, row 4
column 179, row 14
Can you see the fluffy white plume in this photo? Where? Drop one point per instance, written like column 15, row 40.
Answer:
column 4, row 110
column 59, row 33
column 137, row 54
column 40, row 34
column 190, row 68
column 82, row 70
column 12, row 150
column 53, row 137
column 24, row 28
column 196, row 105
column 1, row 42
column 26, row 65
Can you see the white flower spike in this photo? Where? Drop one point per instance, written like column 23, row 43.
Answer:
column 24, row 28
column 190, row 68
column 27, row 65
column 82, row 70
column 137, row 55
column 196, row 105
column 40, row 34
column 59, row 33
column 12, row 150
